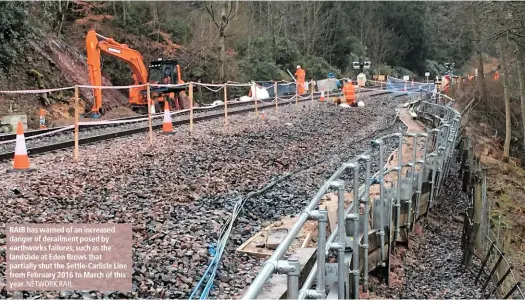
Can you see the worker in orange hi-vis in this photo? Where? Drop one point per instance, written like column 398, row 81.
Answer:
column 300, row 74
column 496, row 76
column 349, row 91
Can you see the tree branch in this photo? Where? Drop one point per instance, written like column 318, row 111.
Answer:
column 211, row 13
column 230, row 16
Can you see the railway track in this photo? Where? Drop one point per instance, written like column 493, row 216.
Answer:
column 62, row 137
column 84, row 127
column 98, row 133
column 129, row 190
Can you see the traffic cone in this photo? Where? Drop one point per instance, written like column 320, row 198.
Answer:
column 21, row 162
column 322, row 96
column 167, row 125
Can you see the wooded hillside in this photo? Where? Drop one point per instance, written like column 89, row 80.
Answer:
column 253, row 40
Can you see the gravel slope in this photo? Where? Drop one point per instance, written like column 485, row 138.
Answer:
column 179, row 192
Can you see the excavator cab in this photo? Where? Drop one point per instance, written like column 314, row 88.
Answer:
column 163, row 72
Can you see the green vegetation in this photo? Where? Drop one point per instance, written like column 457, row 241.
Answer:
column 14, row 32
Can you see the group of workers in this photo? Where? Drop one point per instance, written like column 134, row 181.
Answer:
column 348, row 87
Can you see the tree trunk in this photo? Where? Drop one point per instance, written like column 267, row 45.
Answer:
column 481, row 86
column 269, row 17
column 274, row 42
column 124, row 11
column 522, row 91
column 222, row 34
column 61, row 16
column 506, row 145
column 481, row 78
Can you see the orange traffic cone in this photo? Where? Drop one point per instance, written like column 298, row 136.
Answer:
column 322, row 96
column 167, row 125
column 21, row 162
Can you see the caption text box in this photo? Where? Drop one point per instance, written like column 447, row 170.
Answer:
column 69, row 257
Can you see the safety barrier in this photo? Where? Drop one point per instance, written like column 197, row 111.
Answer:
column 256, row 91
column 478, row 241
column 403, row 85
column 391, row 211
column 280, row 88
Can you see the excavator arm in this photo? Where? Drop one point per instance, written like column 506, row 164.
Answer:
column 95, row 43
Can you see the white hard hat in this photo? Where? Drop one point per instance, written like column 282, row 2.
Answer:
column 298, row 67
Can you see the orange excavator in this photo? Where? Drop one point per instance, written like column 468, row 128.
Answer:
column 158, row 72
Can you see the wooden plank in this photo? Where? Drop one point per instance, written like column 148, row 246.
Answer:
column 287, row 222
column 249, row 241
column 307, row 240
column 329, row 202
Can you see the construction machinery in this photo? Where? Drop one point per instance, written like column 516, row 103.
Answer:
column 158, row 72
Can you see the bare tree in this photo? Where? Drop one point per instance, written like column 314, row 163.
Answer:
column 227, row 13
column 278, row 14
column 519, row 67
column 379, row 44
column 508, row 128
column 61, row 14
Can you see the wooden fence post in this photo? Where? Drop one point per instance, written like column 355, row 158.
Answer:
column 150, row 104
column 507, row 238
column 478, row 208
column 275, row 90
column 225, row 106
column 312, row 89
column 77, row 100
column 255, row 100
column 190, row 93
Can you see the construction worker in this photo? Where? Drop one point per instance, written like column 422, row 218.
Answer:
column 300, row 74
column 349, row 92
column 166, row 79
column 495, row 75
column 445, row 83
